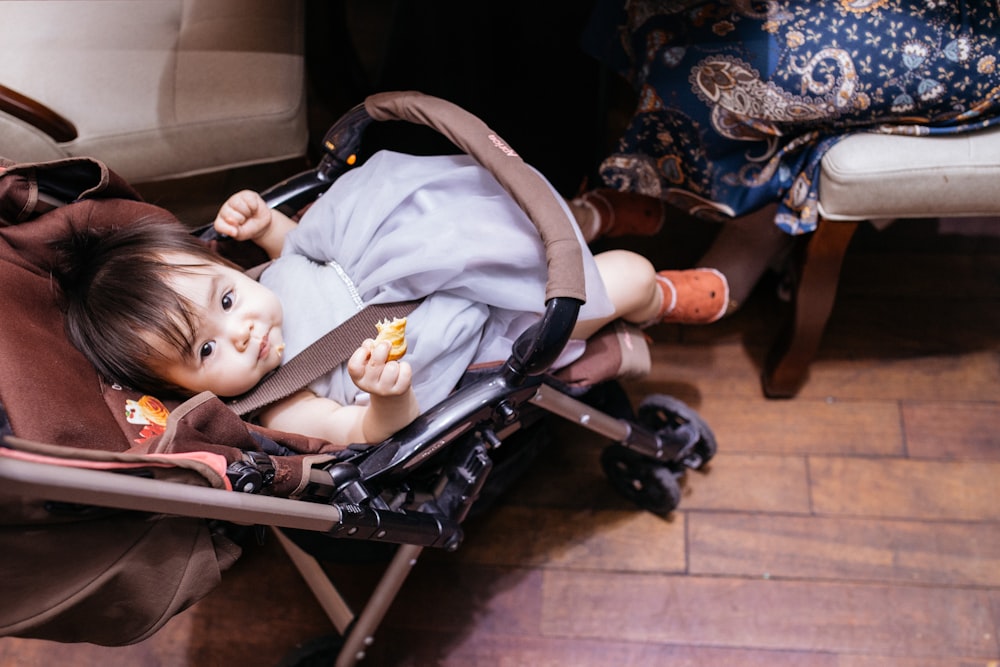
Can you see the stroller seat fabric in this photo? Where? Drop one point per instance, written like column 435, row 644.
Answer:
column 50, row 394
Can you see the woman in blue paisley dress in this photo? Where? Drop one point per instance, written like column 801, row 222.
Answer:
column 738, row 101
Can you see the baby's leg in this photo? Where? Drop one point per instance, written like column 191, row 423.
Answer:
column 642, row 296
column 630, row 281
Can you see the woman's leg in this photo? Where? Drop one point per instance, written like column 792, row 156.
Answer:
column 743, row 250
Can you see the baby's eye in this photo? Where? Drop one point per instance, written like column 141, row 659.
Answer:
column 207, row 349
column 227, row 300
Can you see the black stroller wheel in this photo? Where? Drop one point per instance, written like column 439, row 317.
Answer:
column 665, row 415
column 648, row 483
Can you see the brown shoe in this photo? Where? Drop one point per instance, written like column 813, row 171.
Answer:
column 623, row 213
column 694, row 296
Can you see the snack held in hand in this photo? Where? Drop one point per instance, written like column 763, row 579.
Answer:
column 394, row 333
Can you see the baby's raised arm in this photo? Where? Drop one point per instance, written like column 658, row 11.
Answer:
column 392, row 405
column 246, row 217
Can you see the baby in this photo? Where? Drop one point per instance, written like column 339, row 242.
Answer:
column 153, row 308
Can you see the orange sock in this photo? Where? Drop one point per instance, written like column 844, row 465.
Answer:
column 694, row 296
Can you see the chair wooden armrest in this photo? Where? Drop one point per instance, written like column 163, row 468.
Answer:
column 36, row 114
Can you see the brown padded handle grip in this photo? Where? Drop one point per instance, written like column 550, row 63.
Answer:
column 563, row 254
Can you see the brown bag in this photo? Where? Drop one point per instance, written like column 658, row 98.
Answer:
column 69, row 573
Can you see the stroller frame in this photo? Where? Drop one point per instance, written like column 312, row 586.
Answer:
column 374, row 493
column 472, row 411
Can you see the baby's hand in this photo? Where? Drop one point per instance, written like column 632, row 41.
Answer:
column 245, row 216
column 371, row 371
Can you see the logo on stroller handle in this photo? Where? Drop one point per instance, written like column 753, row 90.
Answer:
column 502, row 145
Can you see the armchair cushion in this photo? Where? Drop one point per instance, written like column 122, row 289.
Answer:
column 161, row 88
column 869, row 176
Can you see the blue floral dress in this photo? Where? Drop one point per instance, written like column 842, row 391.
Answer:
column 739, row 101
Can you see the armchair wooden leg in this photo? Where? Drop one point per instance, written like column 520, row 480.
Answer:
column 787, row 364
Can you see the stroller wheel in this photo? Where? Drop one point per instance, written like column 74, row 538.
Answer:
column 665, row 415
column 649, row 484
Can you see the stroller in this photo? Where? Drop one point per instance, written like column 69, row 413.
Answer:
column 413, row 490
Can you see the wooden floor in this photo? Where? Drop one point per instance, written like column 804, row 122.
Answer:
column 857, row 525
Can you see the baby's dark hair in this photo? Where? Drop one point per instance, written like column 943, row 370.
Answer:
column 119, row 301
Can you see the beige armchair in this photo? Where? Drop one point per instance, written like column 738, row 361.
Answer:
column 877, row 177
column 156, row 89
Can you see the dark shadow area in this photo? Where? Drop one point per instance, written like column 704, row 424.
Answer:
column 517, row 65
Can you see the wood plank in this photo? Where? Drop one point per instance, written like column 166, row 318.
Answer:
column 852, row 660
column 920, row 275
column 691, row 372
column 633, row 541
column 897, row 621
column 807, row 426
column 903, row 328
column 949, row 430
column 749, row 482
column 479, row 650
column 453, row 597
column 889, row 332
column 967, row 377
column 16, row 652
column 895, row 488
column 908, row 328
column 818, row 548
column 729, row 371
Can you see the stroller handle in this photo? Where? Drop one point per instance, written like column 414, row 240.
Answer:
column 562, row 250
column 339, row 154
column 537, row 348
column 540, row 345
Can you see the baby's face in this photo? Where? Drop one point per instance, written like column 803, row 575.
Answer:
column 237, row 337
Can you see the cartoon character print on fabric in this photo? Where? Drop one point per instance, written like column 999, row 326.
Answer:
column 148, row 412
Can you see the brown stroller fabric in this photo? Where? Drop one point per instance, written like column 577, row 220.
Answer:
column 65, row 570
column 50, row 392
